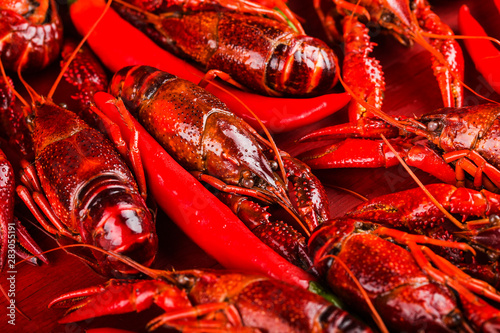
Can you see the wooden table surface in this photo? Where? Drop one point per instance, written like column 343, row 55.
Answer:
column 411, row 89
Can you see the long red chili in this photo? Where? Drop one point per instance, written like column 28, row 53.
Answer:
column 118, row 44
column 204, row 218
column 484, row 54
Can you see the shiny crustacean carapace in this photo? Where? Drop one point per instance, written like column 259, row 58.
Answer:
column 220, row 149
column 31, row 34
column 213, row 301
column 79, row 187
column 411, row 288
column 249, row 48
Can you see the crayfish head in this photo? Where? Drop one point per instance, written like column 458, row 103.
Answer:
column 233, row 155
column 447, row 129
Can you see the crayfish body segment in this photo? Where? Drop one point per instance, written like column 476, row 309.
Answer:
column 195, row 126
column 90, row 194
column 30, row 34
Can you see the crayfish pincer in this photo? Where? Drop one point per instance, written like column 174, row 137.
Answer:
column 25, row 246
column 211, row 301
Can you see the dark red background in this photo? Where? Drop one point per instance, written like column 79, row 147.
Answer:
column 411, row 89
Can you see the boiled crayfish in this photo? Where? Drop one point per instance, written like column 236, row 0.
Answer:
column 408, row 21
column 220, row 149
column 245, row 49
column 212, row 301
column 410, row 293
column 466, row 136
column 411, row 210
column 79, row 187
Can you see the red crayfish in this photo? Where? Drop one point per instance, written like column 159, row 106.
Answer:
column 411, row 210
column 79, row 186
column 220, row 149
column 467, row 136
column 410, row 294
column 201, row 301
column 408, row 21
column 15, row 240
column 245, row 49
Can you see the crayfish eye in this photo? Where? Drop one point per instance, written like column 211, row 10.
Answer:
column 30, row 120
column 247, row 182
column 247, row 179
column 274, row 165
column 494, row 219
column 433, row 126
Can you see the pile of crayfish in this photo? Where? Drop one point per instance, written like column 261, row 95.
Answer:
column 202, row 166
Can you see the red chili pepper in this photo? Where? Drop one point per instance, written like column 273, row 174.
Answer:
column 484, row 54
column 118, row 44
column 204, row 218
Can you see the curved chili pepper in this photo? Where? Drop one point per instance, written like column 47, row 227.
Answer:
column 118, row 44
column 204, row 218
column 484, row 54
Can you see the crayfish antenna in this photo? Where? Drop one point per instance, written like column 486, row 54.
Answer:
column 11, row 87
column 152, row 273
column 422, row 186
column 76, row 50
